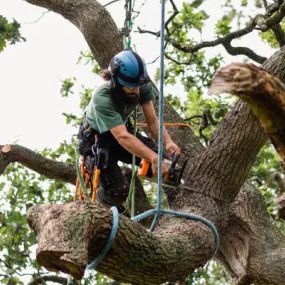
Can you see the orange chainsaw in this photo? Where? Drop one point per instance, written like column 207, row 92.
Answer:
column 172, row 178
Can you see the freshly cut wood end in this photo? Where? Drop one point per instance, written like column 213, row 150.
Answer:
column 6, row 148
column 54, row 261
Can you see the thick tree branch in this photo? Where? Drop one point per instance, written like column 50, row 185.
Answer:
column 242, row 50
column 252, row 249
column 47, row 167
column 264, row 94
column 137, row 256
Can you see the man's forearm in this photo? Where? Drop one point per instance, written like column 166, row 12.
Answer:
column 135, row 146
column 154, row 133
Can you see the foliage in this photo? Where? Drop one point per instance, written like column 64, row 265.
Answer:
column 21, row 189
column 9, row 32
column 211, row 274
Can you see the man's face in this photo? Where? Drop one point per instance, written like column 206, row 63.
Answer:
column 131, row 94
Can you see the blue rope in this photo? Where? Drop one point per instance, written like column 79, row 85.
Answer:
column 186, row 216
column 160, row 122
column 157, row 212
column 115, row 220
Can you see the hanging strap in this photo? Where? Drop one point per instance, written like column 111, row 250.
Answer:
column 128, row 25
column 132, row 188
column 157, row 212
column 115, row 225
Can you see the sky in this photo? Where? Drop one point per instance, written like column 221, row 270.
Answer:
column 31, row 72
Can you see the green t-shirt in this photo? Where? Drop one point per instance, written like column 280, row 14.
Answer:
column 102, row 114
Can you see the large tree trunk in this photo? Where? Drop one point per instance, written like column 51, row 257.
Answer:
column 252, row 249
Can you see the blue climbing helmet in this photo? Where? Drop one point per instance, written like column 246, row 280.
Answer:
column 129, row 69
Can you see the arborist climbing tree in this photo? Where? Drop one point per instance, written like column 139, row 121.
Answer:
column 106, row 135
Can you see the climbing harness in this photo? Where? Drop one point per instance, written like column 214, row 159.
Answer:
column 81, row 192
column 87, row 179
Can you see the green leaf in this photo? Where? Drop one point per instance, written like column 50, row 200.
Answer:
column 223, row 26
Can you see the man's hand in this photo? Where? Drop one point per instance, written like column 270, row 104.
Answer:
column 172, row 148
column 154, row 166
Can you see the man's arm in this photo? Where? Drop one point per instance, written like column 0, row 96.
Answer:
column 135, row 146
column 152, row 122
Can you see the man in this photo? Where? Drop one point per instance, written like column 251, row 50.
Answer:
column 107, row 113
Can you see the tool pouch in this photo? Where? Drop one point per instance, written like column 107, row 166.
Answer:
column 86, row 138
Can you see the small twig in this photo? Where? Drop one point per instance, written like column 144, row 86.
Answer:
column 187, row 62
column 141, row 31
column 175, row 13
column 151, row 62
column 110, row 3
column 35, row 21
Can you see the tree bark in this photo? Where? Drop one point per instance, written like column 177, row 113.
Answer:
column 252, row 248
column 71, row 235
column 47, row 167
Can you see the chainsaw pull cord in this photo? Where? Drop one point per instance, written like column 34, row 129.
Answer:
column 157, row 212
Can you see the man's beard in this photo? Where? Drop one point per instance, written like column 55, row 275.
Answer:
column 130, row 98
column 123, row 98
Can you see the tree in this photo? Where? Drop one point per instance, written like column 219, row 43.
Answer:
column 252, row 247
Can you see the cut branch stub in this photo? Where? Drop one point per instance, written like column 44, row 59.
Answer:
column 6, row 148
column 264, row 94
